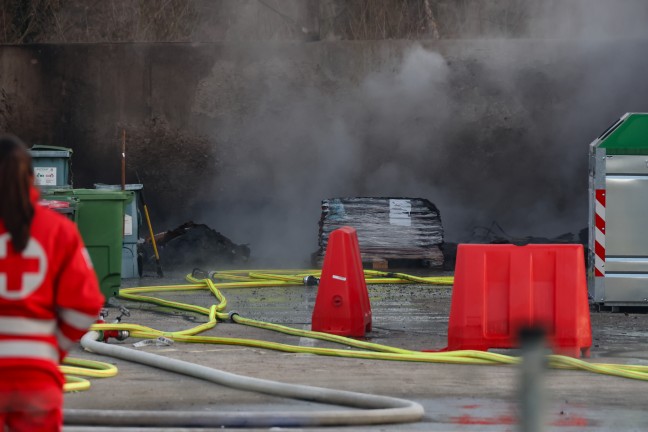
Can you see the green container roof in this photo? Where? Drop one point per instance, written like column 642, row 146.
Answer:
column 628, row 136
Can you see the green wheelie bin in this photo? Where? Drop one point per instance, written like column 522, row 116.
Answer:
column 100, row 218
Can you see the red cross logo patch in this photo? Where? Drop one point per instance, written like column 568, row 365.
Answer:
column 21, row 274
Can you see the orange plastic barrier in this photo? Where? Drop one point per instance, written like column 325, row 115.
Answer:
column 342, row 305
column 500, row 289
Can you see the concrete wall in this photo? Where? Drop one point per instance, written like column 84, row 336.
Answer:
column 248, row 138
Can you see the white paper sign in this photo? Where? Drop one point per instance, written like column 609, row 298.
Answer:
column 399, row 212
column 128, row 225
column 45, row 176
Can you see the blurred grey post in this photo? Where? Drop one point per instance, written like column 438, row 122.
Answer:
column 531, row 397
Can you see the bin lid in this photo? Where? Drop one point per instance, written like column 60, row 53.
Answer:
column 628, row 136
column 56, row 204
column 46, row 195
column 40, row 150
column 129, row 187
column 92, row 194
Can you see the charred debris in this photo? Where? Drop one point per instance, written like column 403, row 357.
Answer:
column 194, row 245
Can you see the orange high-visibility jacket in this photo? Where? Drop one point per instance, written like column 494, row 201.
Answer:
column 49, row 294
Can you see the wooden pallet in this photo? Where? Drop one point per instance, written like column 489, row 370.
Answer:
column 387, row 263
column 393, row 264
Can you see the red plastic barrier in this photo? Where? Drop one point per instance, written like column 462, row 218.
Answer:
column 499, row 289
column 342, row 306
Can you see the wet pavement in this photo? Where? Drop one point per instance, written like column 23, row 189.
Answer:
column 455, row 397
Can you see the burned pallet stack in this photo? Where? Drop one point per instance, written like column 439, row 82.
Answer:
column 391, row 231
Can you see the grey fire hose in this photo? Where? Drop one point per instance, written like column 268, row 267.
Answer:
column 373, row 409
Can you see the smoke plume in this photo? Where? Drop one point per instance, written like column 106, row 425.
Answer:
column 488, row 130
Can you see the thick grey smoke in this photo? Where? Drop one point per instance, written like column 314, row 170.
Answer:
column 588, row 19
column 489, row 130
column 300, row 144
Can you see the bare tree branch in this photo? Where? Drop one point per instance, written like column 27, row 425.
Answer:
column 431, row 25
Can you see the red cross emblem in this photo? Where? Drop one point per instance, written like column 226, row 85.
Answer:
column 20, row 274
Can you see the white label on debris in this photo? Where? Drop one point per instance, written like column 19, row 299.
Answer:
column 128, row 225
column 160, row 341
column 342, row 278
column 45, row 176
column 145, row 342
column 399, row 212
column 163, row 341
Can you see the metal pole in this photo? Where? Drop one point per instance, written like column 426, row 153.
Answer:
column 533, row 367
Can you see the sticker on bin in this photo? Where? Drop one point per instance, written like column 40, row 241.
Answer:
column 45, row 176
column 54, row 204
column 128, row 225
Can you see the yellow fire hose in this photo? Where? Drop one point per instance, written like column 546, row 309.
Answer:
column 364, row 350
column 74, row 366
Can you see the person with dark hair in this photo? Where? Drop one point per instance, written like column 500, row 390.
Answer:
column 49, row 296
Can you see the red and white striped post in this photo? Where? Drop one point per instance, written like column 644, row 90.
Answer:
column 599, row 234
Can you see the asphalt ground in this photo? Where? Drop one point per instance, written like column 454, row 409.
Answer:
column 455, row 397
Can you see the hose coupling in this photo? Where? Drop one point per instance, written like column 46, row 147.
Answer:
column 199, row 273
column 231, row 315
column 122, row 335
column 311, row 280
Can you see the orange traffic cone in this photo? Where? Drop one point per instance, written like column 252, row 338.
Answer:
column 342, row 306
